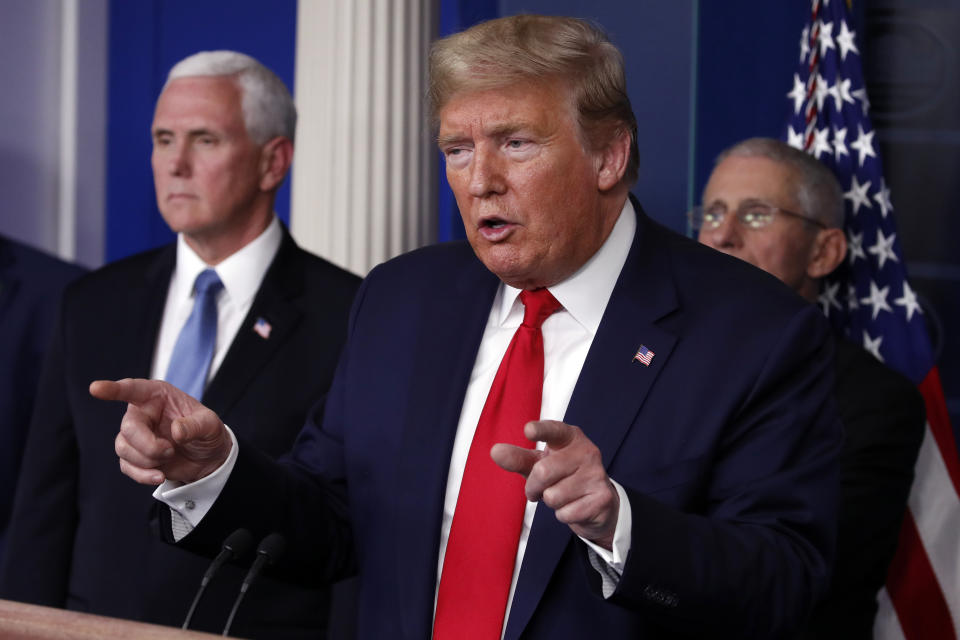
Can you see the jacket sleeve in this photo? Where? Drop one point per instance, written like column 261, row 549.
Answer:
column 40, row 540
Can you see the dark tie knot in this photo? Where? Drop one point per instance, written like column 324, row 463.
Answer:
column 538, row 305
column 208, row 282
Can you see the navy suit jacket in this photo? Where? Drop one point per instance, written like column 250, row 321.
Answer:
column 83, row 535
column 726, row 445
column 31, row 284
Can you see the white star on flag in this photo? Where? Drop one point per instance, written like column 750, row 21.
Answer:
column 908, row 301
column 877, row 299
column 828, row 298
column 821, row 142
column 795, row 139
column 804, row 43
column 821, row 92
column 883, row 248
column 858, row 194
column 840, row 143
column 852, row 298
column 882, row 198
column 841, row 93
column 846, row 42
column 861, row 95
column 826, row 38
column 855, row 247
column 873, row 346
column 864, row 144
column 799, row 93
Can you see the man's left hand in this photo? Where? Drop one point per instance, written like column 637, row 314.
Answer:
column 568, row 476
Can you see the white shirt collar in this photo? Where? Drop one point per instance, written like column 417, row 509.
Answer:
column 585, row 294
column 241, row 273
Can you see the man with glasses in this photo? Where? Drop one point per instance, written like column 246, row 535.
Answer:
column 781, row 210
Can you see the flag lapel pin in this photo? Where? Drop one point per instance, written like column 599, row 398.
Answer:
column 262, row 328
column 644, row 356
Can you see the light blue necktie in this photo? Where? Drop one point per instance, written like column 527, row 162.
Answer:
column 193, row 352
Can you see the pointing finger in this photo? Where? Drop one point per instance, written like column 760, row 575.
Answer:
column 134, row 391
column 515, row 459
column 556, row 434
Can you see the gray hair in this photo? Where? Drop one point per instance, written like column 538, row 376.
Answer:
column 526, row 48
column 268, row 109
column 815, row 187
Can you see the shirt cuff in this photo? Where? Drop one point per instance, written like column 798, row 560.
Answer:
column 189, row 503
column 609, row 563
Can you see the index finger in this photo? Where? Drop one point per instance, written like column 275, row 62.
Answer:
column 555, row 433
column 132, row 390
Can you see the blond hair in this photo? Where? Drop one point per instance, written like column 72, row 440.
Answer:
column 522, row 48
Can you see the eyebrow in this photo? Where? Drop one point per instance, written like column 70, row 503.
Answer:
column 191, row 133
column 497, row 131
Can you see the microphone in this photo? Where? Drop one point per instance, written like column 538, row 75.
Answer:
column 236, row 545
column 269, row 551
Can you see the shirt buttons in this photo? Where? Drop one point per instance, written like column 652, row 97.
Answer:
column 189, row 505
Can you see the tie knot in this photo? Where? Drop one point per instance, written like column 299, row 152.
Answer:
column 208, row 282
column 538, row 305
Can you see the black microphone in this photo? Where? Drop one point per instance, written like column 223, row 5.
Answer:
column 269, row 551
column 236, row 545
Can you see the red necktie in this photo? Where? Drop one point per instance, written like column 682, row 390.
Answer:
column 482, row 546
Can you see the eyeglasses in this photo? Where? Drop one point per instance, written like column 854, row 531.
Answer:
column 751, row 215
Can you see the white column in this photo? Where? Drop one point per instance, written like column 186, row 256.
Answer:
column 364, row 173
column 81, row 176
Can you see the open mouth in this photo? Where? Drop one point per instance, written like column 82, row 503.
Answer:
column 494, row 223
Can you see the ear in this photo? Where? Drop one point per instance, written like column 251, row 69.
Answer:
column 275, row 158
column 829, row 249
column 612, row 160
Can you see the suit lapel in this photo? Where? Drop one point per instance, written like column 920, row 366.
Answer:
column 448, row 342
column 250, row 350
column 147, row 305
column 608, row 395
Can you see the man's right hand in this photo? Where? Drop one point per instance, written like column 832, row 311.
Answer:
column 165, row 434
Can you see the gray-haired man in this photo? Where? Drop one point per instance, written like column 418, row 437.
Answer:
column 233, row 312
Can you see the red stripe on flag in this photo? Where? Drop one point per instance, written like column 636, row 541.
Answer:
column 914, row 590
column 940, row 427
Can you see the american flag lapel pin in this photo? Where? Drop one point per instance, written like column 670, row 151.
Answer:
column 644, row 355
column 262, row 328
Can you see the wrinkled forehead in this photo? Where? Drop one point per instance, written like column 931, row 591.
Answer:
column 738, row 179
column 195, row 99
column 536, row 104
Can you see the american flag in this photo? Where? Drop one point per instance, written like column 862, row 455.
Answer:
column 263, row 328
column 644, row 355
column 870, row 300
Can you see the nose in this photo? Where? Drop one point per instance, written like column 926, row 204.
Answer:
column 724, row 237
column 178, row 160
column 486, row 172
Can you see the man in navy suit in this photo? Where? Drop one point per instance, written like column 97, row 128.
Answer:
column 685, row 479
column 81, row 535
column 31, row 283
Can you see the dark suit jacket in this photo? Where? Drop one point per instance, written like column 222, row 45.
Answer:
column 31, row 284
column 726, row 445
column 82, row 534
column 884, row 420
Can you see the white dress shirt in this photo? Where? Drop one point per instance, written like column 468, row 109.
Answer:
column 567, row 336
column 241, row 275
